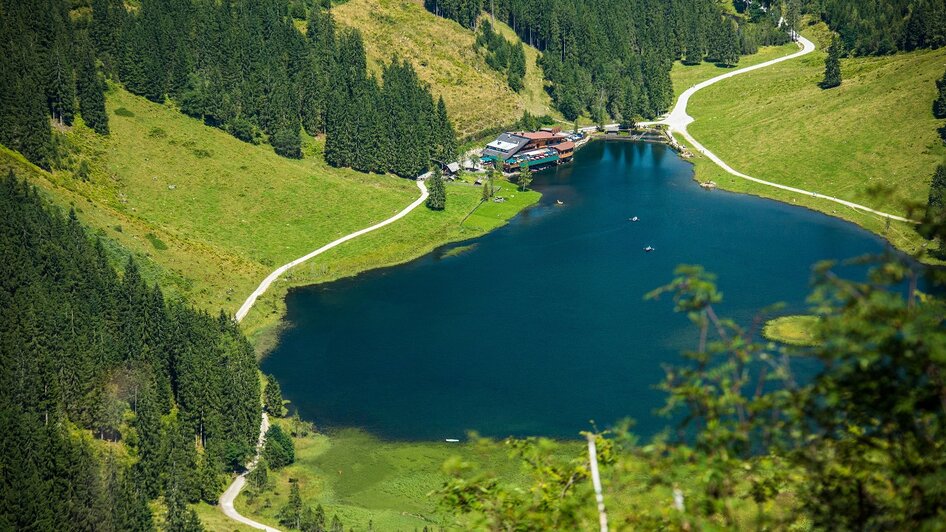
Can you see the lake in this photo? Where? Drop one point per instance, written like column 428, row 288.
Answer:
column 542, row 326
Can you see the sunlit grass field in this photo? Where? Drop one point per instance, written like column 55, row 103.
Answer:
column 872, row 141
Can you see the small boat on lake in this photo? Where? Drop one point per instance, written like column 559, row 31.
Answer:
column 648, row 249
column 451, row 440
column 634, row 219
column 559, row 202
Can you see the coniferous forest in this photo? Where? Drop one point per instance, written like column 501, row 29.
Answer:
column 613, row 58
column 86, row 351
column 239, row 66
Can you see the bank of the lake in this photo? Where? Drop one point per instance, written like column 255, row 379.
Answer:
column 501, row 338
column 420, row 232
column 388, row 351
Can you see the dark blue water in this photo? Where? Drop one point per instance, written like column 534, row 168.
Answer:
column 542, row 326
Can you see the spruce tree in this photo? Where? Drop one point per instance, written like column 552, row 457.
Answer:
column 437, row 195
column 937, row 197
column 939, row 105
column 290, row 515
column 525, row 176
column 832, row 65
column 91, row 89
column 517, row 67
column 273, row 399
column 259, row 476
column 694, row 48
column 445, row 149
column 278, row 448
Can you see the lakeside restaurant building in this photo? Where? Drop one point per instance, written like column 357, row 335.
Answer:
column 535, row 148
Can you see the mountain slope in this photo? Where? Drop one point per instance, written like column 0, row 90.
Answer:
column 209, row 216
column 442, row 51
column 875, row 131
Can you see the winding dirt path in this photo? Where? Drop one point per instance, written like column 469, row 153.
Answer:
column 678, row 120
column 226, row 500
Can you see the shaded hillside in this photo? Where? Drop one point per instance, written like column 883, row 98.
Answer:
column 442, row 51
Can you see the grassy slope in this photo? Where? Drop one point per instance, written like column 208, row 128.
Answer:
column 875, row 130
column 236, row 211
column 442, row 51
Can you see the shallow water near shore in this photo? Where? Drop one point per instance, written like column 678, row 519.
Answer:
column 542, row 326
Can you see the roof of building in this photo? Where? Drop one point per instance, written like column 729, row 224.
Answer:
column 505, row 145
column 537, row 135
column 453, row 167
column 564, row 146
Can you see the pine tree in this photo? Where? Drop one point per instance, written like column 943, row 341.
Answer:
column 259, row 476
column 290, row 515
column 91, row 89
column 278, row 450
column 437, row 195
column 337, row 525
column 274, row 401
column 832, row 65
column 446, row 139
column 939, row 105
column 517, row 67
column 937, row 196
column 525, row 176
column 147, row 423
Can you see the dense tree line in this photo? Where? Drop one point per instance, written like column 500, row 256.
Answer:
column 240, row 66
column 502, row 55
column 82, row 347
column 244, row 67
column 391, row 125
column 613, row 58
column 869, row 28
column 466, row 12
column 47, row 71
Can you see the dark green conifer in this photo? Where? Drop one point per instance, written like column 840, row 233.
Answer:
column 91, row 89
column 832, row 65
column 437, row 195
column 279, row 450
column 290, row 515
column 273, row 399
column 937, row 196
column 939, row 104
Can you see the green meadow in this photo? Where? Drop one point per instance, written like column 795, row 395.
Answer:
column 872, row 141
column 363, row 479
